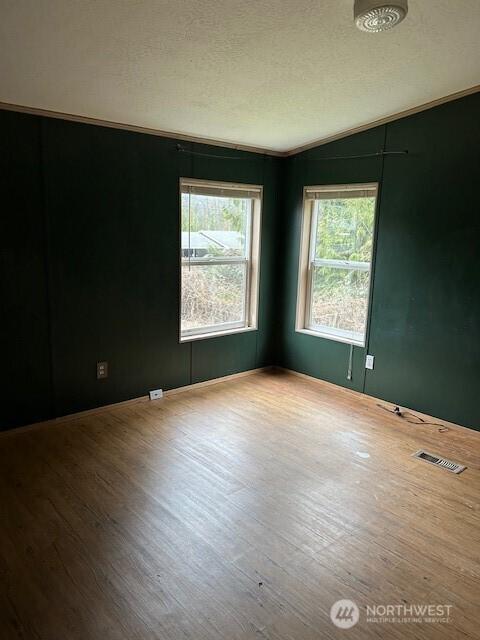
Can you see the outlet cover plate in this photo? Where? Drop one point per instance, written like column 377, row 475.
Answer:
column 369, row 362
column 156, row 394
column 102, row 370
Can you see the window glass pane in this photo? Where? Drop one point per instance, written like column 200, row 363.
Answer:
column 212, row 295
column 344, row 228
column 214, row 226
column 339, row 300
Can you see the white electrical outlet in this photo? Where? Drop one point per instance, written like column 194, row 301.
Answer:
column 156, row 394
column 369, row 360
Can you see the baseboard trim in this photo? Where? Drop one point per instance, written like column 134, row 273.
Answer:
column 208, row 383
column 373, row 401
column 328, row 386
column 108, row 407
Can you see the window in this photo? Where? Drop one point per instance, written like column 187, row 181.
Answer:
column 220, row 229
column 335, row 261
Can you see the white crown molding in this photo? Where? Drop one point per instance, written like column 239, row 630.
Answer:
column 241, row 147
column 391, row 118
column 136, row 129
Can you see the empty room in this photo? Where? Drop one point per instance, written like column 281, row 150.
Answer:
column 240, row 320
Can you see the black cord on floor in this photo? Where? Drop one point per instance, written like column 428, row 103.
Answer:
column 418, row 420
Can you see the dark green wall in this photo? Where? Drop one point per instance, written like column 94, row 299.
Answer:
column 25, row 379
column 425, row 330
column 425, row 319
column 312, row 355
column 90, row 266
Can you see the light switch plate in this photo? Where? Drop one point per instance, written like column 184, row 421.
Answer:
column 369, row 362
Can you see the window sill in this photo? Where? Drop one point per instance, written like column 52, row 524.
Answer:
column 215, row 334
column 332, row 336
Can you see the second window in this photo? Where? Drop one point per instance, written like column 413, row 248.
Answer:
column 335, row 263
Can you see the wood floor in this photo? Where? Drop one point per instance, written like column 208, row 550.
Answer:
column 241, row 510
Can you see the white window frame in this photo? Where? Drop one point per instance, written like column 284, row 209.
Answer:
column 251, row 261
column 307, row 263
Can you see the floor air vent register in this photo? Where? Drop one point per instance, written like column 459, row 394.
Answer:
column 438, row 461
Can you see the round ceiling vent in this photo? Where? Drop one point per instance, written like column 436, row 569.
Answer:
column 378, row 15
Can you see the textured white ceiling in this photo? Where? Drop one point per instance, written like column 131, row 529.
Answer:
column 269, row 73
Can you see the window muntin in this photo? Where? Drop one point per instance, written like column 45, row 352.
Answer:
column 220, row 226
column 336, row 261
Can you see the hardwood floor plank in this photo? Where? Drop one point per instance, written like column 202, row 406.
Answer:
column 236, row 511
